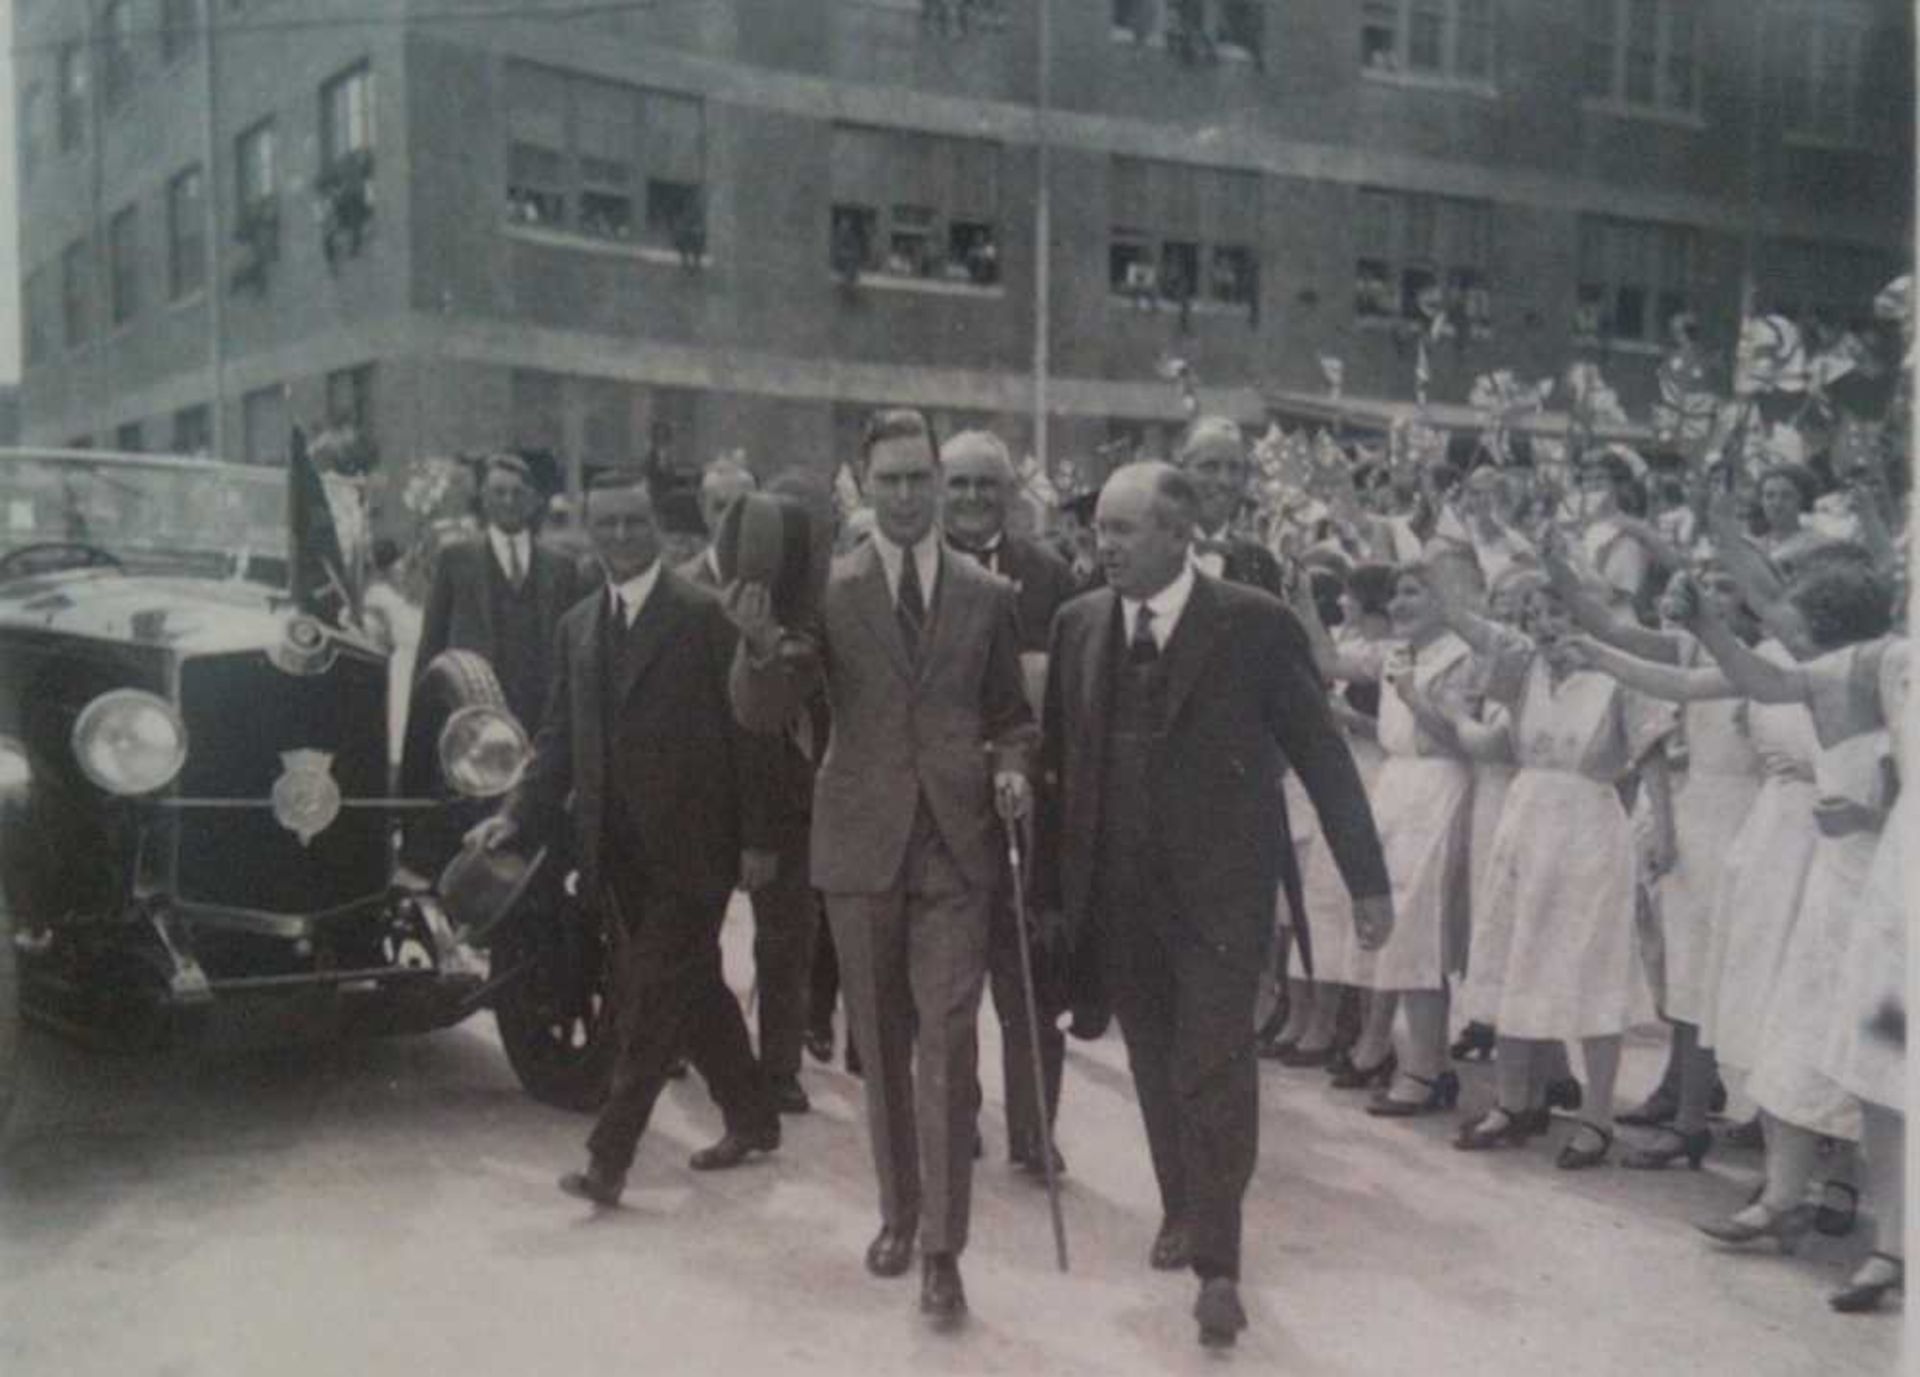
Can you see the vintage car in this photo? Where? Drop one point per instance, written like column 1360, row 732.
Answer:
column 198, row 827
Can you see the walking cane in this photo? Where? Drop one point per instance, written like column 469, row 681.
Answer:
column 1012, row 828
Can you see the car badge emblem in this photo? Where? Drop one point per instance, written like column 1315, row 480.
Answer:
column 306, row 799
column 303, row 648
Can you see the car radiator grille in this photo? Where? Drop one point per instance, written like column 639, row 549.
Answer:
column 242, row 716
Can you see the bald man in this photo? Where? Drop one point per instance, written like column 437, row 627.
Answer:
column 1172, row 700
column 1213, row 454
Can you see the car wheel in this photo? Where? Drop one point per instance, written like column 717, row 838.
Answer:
column 555, row 1012
column 454, row 680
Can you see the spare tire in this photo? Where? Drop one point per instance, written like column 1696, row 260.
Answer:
column 453, row 680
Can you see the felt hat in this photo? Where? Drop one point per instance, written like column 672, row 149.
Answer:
column 767, row 537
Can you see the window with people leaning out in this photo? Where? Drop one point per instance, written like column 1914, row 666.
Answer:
column 605, row 161
column 1418, row 255
column 911, row 207
column 1193, row 31
column 1183, row 236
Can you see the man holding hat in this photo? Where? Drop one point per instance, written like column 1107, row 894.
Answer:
column 917, row 650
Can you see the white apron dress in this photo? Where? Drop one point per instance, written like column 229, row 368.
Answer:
column 1711, row 801
column 1329, row 907
column 1420, row 807
column 1487, row 951
column 1760, row 884
column 1786, row 1080
column 1874, row 965
column 1564, row 866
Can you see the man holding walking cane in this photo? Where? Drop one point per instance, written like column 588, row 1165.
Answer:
column 932, row 733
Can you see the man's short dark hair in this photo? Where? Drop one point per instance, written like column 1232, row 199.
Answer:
column 599, row 479
column 898, row 423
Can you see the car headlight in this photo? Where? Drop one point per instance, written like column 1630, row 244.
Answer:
column 129, row 741
column 483, row 751
column 16, row 772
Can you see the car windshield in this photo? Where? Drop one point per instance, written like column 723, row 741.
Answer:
column 153, row 514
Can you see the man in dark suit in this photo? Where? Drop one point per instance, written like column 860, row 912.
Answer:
column 1170, row 699
column 502, row 595
column 785, row 911
column 980, row 486
column 1213, row 454
column 932, row 731
column 663, row 790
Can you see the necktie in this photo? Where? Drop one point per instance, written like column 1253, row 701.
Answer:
column 515, row 573
column 984, row 558
column 910, row 604
column 1143, row 649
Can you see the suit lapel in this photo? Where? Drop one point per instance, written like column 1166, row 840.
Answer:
column 875, row 603
column 1192, row 644
column 489, row 571
column 1097, row 664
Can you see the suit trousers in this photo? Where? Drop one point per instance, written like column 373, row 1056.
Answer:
column 913, row 962
column 1185, row 1010
column 1016, row 1052
column 671, row 997
column 785, row 920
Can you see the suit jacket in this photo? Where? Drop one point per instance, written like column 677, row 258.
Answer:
column 1041, row 582
column 694, row 783
column 1241, row 691
column 935, row 728
column 459, row 611
column 1250, row 563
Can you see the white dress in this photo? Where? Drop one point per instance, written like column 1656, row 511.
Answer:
column 1760, row 885
column 1487, row 951
column 1711, row 801
column 1329, row 907
column 1786, row 1080
column 1420, row 807
column 1564, row 869
column 1873, row 967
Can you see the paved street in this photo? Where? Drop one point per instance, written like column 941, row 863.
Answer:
column 390, row 1208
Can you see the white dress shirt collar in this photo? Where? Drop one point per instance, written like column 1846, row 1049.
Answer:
column 630, row 598
column 511, row 551
column 926, row 557
column 1167, row 606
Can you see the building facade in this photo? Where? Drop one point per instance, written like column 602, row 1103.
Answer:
column 701, row 225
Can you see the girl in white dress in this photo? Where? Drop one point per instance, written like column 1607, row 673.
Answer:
column 1862, row 1056
column 1845, row 607
column 1563, row 871
column 1358, row 643
column 1420, row 797
column 1712, row 801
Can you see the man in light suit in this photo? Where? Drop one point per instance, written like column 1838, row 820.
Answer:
column 639, row 755
column 1170, row 698
column 932, row 731
column 785, row 911
column 980, row 487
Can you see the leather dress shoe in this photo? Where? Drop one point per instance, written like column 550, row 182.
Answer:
column 891, row 1252
column 735, row 1147
column 787, row 1095
column 600, row 1185
column 942, row 1298
column 1172, row 1247
column 1219, row 1312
